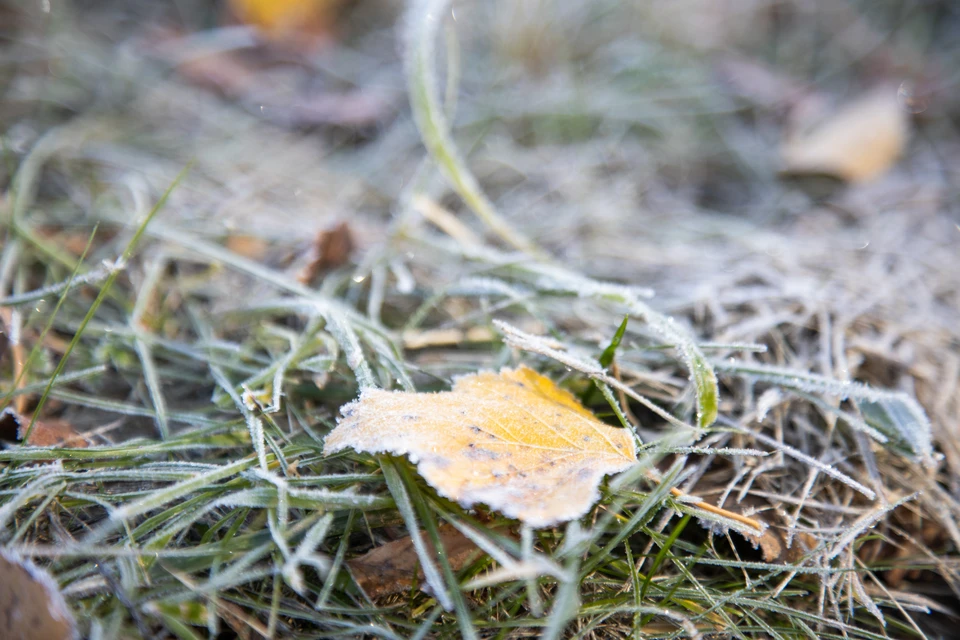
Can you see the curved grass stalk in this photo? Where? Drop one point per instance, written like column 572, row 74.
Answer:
column 423, row 22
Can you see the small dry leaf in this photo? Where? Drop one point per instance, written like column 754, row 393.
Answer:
column 31, row 606
column 45, row 433
column 857, row 143
column 390, row 568
column 331, row 249
column 514, row 441
column 772, row 542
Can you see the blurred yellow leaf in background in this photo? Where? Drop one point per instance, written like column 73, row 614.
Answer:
column 857, row 143
column 278, row 18
column 514, row 441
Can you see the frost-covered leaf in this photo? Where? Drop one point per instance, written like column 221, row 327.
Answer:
column 513, row 441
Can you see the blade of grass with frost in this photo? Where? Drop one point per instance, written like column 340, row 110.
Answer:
column 535, row 344
column 905, row 417
column 635, row 589
column 401, row 497
column 654, row 501
column 566, row 602
column 453, row 590
column 26, row 183
column 338, row 558
column 552, row 278
column 22, row 496
column 306, row 554
column 533, row 595
column 254, row 424
column 862, row 524
column 92, row 277
column 615, row 406
column 662, row 554
column 135, row 450
column 701, row 373
column 15, row 387
column 811, row 461
column 422, row 24
column 101, row 295
column 309, row 301
column 344, row 334
column 144, row 351
column 163, row 496
column 123, row 408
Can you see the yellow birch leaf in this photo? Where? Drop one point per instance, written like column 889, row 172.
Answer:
column 857, row 143
column 514, row 441
column 280, row 18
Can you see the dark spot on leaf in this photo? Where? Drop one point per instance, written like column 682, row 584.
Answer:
column 475, row 453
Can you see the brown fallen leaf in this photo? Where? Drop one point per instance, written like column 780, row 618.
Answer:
column 45, row 433
column 857, row 143
column 514, row 441
column 390, row 568
column 31, row 606
column 331, row 249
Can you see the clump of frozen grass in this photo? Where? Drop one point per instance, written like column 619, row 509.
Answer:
column 235, row 521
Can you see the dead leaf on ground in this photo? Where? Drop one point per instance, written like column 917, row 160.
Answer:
column 45, row 433
column 772, row 542
column 31, row 606
column 857, row 143
column 331, row 249
column 514, row 441
column 390, row 568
